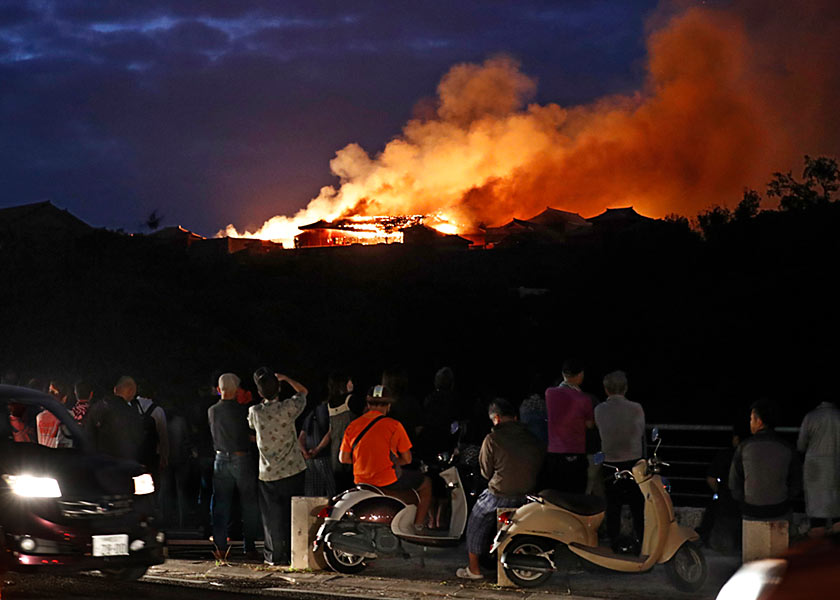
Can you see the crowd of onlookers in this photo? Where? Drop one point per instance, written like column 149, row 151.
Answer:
column 229, row 462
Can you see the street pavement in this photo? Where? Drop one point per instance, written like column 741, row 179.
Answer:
column 429, row 574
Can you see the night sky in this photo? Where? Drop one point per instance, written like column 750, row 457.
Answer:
column 214, row 112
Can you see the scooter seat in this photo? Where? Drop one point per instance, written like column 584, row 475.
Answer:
column 405, row 496
column 580, row 504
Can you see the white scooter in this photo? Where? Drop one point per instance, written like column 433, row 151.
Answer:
column 365, row 522
column 537, row 538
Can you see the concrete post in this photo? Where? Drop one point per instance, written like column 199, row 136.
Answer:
column 501, row 578
column 764, row 539
column 304, row 527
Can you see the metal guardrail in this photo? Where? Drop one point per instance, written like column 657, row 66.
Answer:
column 690, row 449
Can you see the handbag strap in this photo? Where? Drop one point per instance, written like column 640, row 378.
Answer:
column 362, row 434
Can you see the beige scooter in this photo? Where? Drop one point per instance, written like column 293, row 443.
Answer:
column 535, row 540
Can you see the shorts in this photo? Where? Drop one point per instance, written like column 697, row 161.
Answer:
column 409, row 480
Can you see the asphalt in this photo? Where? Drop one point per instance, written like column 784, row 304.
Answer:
column 430, row 574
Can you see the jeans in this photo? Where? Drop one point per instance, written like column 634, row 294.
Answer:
column 481, row 526
column 231, row 473
column 276, row 509
column 566, row 472
column 620, row 492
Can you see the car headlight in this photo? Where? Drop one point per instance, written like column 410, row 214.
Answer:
column 753, row 580
column 144, row 484
column 30, row 486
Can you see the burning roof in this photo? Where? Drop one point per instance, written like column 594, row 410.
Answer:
column 362, row 230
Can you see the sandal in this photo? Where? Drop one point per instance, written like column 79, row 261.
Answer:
column 465, row 573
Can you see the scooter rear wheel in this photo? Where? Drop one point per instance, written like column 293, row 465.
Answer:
column 527, row 545
column 344, row 562
column 687, row 569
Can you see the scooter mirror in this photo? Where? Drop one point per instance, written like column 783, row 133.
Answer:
column 598, row 458
column 454, row 427
column 654, row 435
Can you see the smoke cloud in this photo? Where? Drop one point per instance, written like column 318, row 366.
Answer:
column 730, row 96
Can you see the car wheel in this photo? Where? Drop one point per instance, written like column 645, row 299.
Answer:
column 125, row 574
column 527, row 545
column 687, row 569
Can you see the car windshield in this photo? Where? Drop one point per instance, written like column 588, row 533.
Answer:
column 30, row 420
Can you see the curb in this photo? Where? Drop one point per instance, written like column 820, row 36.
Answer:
column 283, row 582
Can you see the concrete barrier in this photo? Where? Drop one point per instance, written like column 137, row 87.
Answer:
column 501, row 577
column 304, row 527
column 764, row 539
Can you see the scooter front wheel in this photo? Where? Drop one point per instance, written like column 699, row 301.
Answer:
column 687, row 569
column 529, row 546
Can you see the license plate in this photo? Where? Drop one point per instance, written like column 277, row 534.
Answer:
column 110, row 545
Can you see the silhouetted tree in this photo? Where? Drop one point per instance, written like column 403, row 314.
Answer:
column 676, row 219
column 824, row 173
column 748, row 207
column 793, row 195
column 154, row 220
column 711, row 221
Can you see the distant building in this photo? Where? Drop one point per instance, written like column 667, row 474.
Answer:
column 421, row 235
column 40, row 223
column 619, row 219
column 551, row 226
column 212, row 247
column 177, row 236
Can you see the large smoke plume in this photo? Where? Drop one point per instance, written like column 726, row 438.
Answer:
column 731, row 94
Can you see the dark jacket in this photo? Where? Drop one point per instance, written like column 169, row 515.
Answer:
column 765, row 475
column 114, row 428
column 511, row 458
column 228, row 422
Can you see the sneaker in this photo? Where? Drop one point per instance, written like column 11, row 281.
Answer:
column 465, row 573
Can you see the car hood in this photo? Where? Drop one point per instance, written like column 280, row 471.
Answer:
column 78, row 473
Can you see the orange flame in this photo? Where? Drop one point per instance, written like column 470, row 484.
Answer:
column 727, row 101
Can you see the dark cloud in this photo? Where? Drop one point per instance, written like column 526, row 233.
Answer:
column 216, row 111
column 16, row 14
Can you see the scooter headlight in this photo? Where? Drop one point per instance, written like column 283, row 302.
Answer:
column 753, row 580
column 30, row 486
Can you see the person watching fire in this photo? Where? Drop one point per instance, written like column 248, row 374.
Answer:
column 377, row 446
column 510, row 458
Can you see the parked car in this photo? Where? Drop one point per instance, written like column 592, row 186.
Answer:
column 810, row 569
column 67, row 508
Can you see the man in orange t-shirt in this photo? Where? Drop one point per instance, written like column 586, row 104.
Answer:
column 384, row 445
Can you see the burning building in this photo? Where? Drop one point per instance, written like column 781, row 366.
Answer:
column 551, row 226
column 410, row 229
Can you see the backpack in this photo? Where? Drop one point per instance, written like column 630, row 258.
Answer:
column 316, row 425
column 148, row 450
